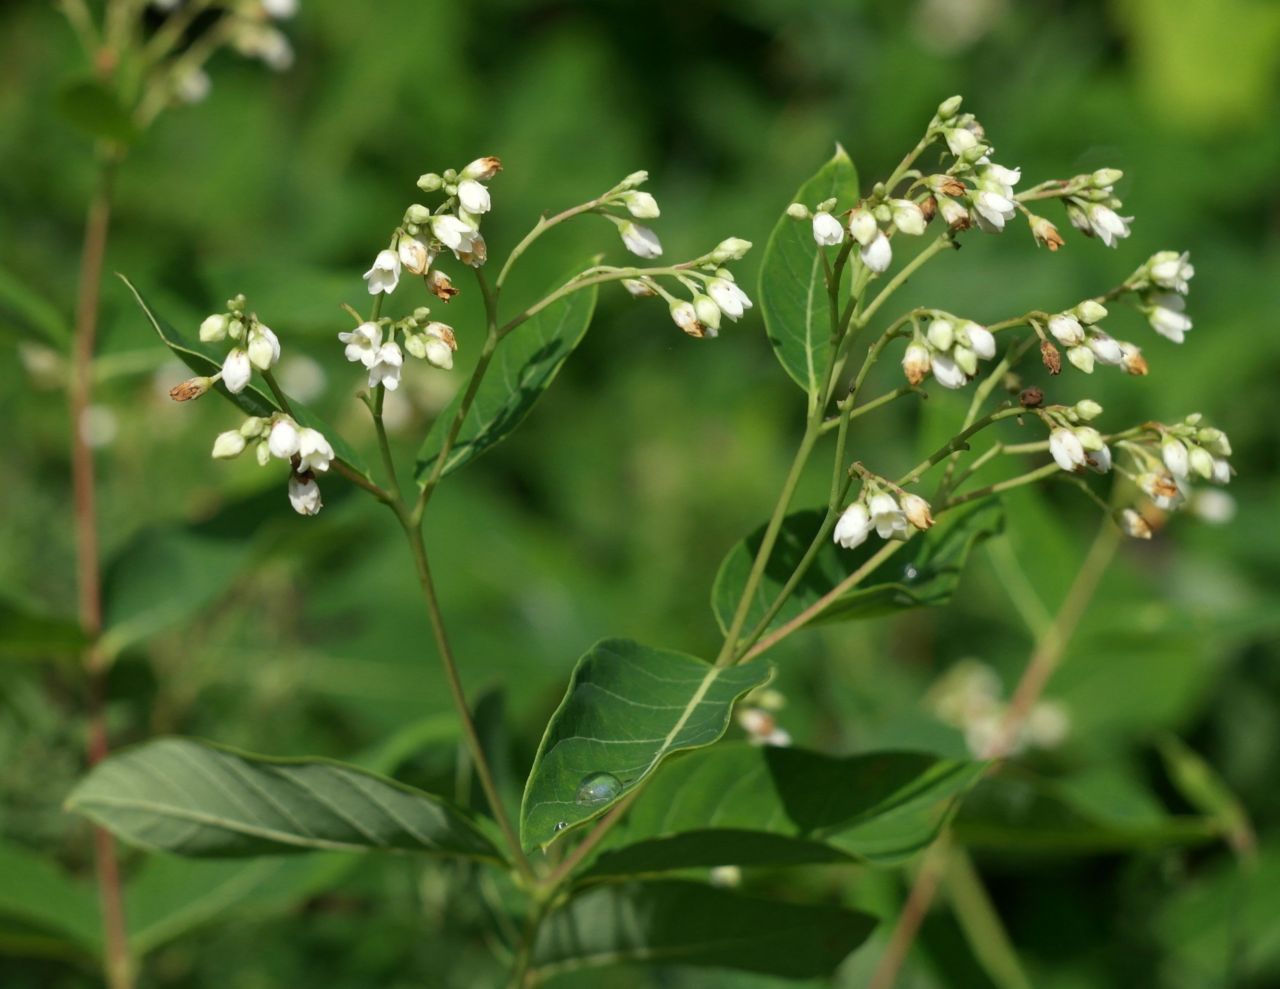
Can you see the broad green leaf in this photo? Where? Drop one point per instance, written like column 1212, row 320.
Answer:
column 793, row 288
column 685, row 923
column 253, row 400
column 192, row 798
column 524, row 365
column 38, row 893
column 96, row 110
column 32, row 309
column 28, row 634
column 925, row 574
column 1017, row 812
column 741, row 804
column 627, row 708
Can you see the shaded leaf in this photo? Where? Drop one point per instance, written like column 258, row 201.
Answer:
column 627, row 708
column 38, row 893
column 740, row 804
column 929, row 576
column 192, row 798
column 793, row 288
column 96, row 110
column 29, row 634
column 685, row 923
column 523, row 367
column 253, row 400
column 32, row 308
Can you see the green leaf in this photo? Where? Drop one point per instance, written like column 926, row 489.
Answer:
column 741, row 804
column 627, row 708
column 96, row 110
column 192, row 798
column 793, row 288
column 929, row 576
column 524, row 365
column 29, row 634
column 685, row 923
column 252, row 401
column 32, row 308
column 38, row 893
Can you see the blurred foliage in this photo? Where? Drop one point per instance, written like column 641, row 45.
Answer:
column 611, row 512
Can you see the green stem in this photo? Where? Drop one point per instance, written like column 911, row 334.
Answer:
column 521, row 974
column 955, row 445
column 1039, row 474
column 892, row 396
column 580, row 282
column 542, row 226
column 944, row 241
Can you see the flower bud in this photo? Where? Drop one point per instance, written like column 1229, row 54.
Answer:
column 1088, row 410
column 1201, row 462
column 304, row 494
column 236, row 371
column 1175, row 457
column 228, row 445
column 915, row 363
column 430, row 182
column 640, row 241
column 253, row 427
column 1045, row 233
column 283, row 440
column 949, row 107
column 853, row 526
column 1132, row 360
column 965, row 359
column 440, row 285
column 907, row 216
column 916, row 509
column 1104, row 178
column 1214, row 440
column 877, row 255
column 708, row 313
column 418, row 214
column 1082, row 358
column 1066, row 329
column 862, row 226
column 686, row 317
column 634, row 179
column 941, row 334
column 483, row 169
column 638, row 288
column 1067, row 450
column 1133, row 525
column 827, row 231
column 214, row 328
column 264, row 347
column 189, row 389
column 1105, row 349
column 1090, row 312
column 798, row 211
column 414, row 256
column 1089, row 438
column 641, row 205
column 978, row 338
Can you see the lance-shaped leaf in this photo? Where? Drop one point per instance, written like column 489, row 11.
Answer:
column 192, row 798
column 740, row 804
column 253, row 400
column 793, row 287
column 926, row 573
column 685, row 923
column 524, row 365
column 627, row 708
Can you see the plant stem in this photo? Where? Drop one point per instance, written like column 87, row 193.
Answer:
column 542, row 226
column 944, row 241
column 955, row 445
column 581, row 282
column 913, row 913
column 1039, row 474
column 520, row 972
column 117, row 962
column 875, row 403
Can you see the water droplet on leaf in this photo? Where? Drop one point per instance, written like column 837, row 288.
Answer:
column 560, row 825
column 598, row 788
column 910, row 573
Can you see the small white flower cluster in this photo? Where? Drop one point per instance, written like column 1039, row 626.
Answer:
column 869, row 224
column 424, row 338
column 757, row 716
column 627, row 196
column 1075, row 445
column 254, row 344
column 975, row 189
column 877, row 509
column 950, row 349
column 254, row 36
column 713, row 292
column 1167, row 459
column 424, row 233
column 1091, row 208
column 968, row 697
column 1161, row 284
column 304, row 448
column 1087, row 344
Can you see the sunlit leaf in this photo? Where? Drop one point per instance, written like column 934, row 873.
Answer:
column 685, row 923
column 192, row 798
column 627, row 708
column 926, row 573
column 793, row 289
column 523, row 367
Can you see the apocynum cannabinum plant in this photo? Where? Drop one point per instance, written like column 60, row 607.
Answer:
column 605, row 817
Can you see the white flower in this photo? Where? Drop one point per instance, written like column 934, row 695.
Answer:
column 1047, row 725
column 731, row 299
column 886, row 515
column 473, row 196
column 363, row 343
column 384, row 276
column 264, row 347
column 304, row 494
column 385, row 370
column 862, row 226
column 482, row 169
column 214, row 328
column 1066, row 449
column 827, row 230
column 993, row 209
column 280, row 9
column 907, row 216
column 1099, row 460
column 1003, row 178
column 415, row 255
column 1066, row 330
column 1171, row 270
column 284, row 439
column 1213, row 506
column 877, row 255
column 314, row 450
column 948, row 373
column 1161, row 488
column 640, row 241
column 853, row 526
column 980, row 340
column 915, row 363
column 960, row 140
column 452, row 232
column 228, row 445
column 1167, row 318
column 264, row 42
column 1221, row 471
column 1105, row 348
column 193, row 85
column 438, row 353
column 641, row 205
column 1107, row 224
column 955, row 213
column 1134, row 525
column 1175, row 457
column 685, row 316
column 236, row 371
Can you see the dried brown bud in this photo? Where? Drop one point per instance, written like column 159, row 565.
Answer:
column 1133, row 362
column 482, row 169
column 1164, row 486
column 949, row 185
column 1031, row 398
column 478, row 255
column 916, row 509
column 1052, row 359
column 444, row 333
column 440, row 285
column 929, row 208
column 1045, row 233
column 189, row 389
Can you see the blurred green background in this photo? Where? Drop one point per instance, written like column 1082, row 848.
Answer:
column 608, row 513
